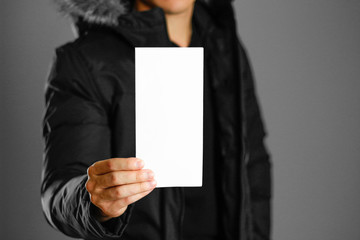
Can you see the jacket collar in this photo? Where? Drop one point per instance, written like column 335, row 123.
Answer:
column 107, row 12
column 148, row 28
column 145, row 28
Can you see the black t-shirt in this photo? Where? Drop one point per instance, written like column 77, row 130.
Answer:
column 200, row 220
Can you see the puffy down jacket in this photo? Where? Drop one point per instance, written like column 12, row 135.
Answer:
column 90, row 116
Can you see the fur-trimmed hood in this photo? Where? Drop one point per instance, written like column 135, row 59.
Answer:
column 105, row 12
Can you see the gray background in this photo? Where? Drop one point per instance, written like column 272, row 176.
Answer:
column 306, row 60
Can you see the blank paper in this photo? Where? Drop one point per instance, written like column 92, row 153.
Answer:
column 169, row 90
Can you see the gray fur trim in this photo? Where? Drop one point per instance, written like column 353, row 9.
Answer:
column 95, row 11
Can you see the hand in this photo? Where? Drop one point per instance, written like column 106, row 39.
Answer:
column 115, row 183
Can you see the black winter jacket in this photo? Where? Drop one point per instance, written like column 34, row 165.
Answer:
column 90, row 116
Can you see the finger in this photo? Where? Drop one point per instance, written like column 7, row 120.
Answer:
column 136, row 197
column 128, row 200
column 123, row 191
column 116, row 208
column 112, row 179
column 116, row 164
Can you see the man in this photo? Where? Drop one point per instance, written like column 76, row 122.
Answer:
column 92, row 185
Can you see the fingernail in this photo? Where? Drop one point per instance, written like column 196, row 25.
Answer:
column 150, row 175
column 153, row 183
column 139, row 164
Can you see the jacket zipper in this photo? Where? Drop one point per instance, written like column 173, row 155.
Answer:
column 243, row 210
column 244, row 160
column 182, row 214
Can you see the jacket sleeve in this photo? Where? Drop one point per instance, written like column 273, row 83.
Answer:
column 258, row 163
column 76, row 134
